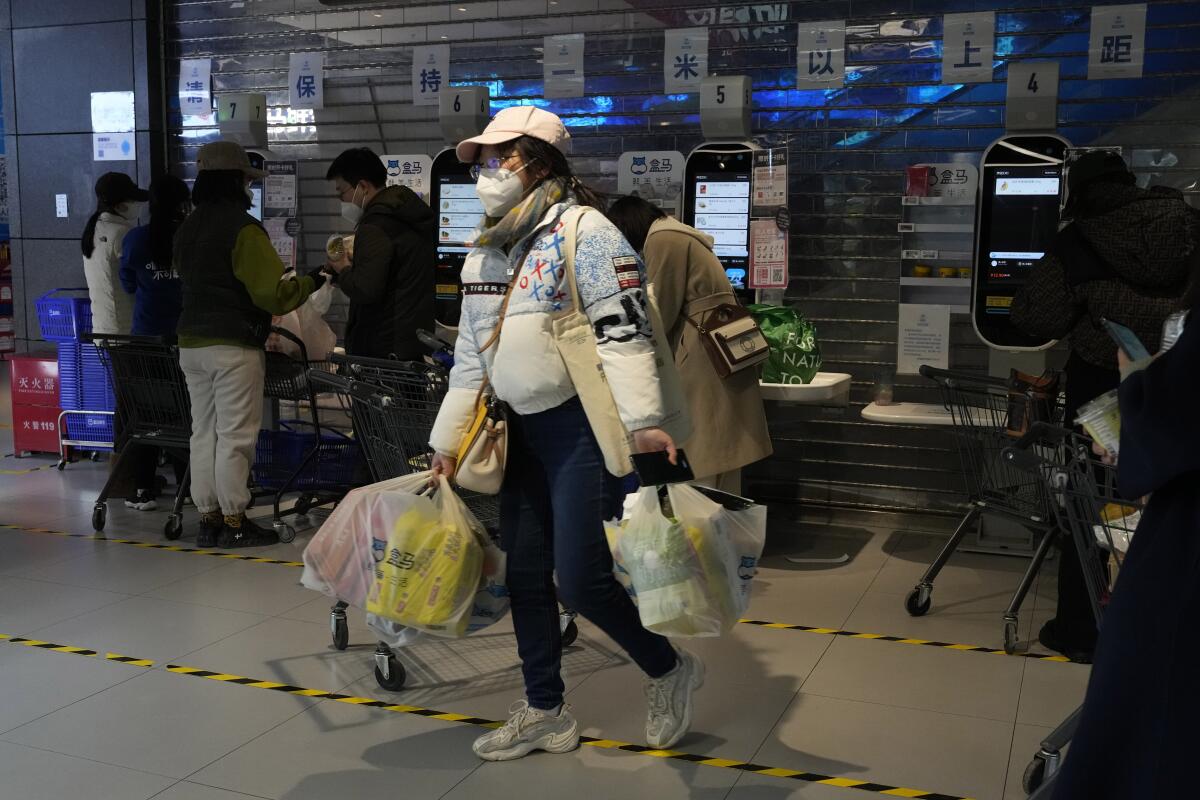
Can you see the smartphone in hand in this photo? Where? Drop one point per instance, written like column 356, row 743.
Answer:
column 656, row 469
column 1126, row 339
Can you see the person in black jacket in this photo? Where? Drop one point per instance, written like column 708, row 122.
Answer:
column 1137, row 730
column 389, row 273
column 1125, row 257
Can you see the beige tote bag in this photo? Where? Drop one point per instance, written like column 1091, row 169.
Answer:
column 577, row 345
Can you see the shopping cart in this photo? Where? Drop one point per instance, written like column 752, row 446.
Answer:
column 155, row 409
column 1082, row 489
column 982, row 408
column 393, row 405
column 301, row 456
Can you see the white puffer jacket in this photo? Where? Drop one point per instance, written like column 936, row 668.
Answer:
column 112, row 308
column 524, row 367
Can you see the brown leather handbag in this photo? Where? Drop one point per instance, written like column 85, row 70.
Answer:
column 731, row 337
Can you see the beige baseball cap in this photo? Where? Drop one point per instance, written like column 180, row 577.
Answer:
column 226, row 155
column 514, row 122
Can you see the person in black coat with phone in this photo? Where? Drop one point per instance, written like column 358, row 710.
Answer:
column 1136, row 735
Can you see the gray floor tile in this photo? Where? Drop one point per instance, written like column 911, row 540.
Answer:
column 911, row 676
column 765, row 787
column 28, row 605
column 24, row 553
column 1027, row 741
column 147, row 627
column 595, row 774
column 970, row 574
column 285, row 651
column 122, row 568
column 762, row 657
column 898, row 746
column 36, row 683
column 161, row 723
column 1051, row 691
column 317, row 610
column 31, row 774
column 338, row 750
column 256, row 588
column 730, row 721
column 187, row 790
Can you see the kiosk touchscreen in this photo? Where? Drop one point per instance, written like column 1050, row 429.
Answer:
column 1020, row 184
column 717, row 201
column 453, row 199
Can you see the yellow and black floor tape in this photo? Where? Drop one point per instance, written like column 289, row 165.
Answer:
column 879, row 637
column 172, row 548
column 783, row 626
column 464, row 719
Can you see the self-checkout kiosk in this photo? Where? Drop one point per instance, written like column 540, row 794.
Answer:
column 718, row 176
column 463, row 113
column 1018, row 216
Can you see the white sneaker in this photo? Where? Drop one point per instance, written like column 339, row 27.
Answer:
column 529, row 729
column 669, row 701
column 141, row 500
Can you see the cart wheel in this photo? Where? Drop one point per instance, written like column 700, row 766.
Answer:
column 1010, row 636
column 285, row 532
column 570, row 634
column 99, row 515
column 1034, row 775
column 174, row 527
column 918, row 601
column 341, row 633
column 62, row 464
column 394, row 681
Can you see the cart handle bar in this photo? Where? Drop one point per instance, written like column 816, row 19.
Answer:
column 949, row 377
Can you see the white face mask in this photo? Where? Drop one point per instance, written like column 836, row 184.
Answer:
column 499, row 190
column 250, row 195
column 352, row 212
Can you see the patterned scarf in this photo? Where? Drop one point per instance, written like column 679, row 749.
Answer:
column 520, row 222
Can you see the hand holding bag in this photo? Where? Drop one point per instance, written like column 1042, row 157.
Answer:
column 576, row 342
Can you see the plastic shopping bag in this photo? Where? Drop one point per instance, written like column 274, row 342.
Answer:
column 432, row 566
column 795, row 353
column 733, row 535
column 664, row 570
column 307, row 323
column 340, row 559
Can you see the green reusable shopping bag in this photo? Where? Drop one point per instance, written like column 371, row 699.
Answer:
column 795, row 354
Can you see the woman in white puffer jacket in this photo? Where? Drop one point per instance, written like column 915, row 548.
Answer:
column 118, row 200
column 557, row 492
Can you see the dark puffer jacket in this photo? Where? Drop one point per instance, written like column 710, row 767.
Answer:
column 390, row 281
column 1128, row 259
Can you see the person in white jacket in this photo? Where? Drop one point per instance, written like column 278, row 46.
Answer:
column 118, row 200
column 557, row 492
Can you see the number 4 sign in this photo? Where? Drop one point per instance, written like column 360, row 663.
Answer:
column 1032, row 97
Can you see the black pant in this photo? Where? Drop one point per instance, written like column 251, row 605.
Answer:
column 1075, row 621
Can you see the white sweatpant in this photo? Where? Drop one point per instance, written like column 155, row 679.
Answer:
column 226, row 387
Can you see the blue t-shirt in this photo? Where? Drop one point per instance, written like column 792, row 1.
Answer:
column 157, row 290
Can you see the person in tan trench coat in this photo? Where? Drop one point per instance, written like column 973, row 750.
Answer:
column 686, row 279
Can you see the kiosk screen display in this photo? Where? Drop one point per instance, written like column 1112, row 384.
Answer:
column 721, row 208
column 1020, row 222
column 458, row 213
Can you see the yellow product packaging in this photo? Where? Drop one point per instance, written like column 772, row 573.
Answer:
column 427, row 576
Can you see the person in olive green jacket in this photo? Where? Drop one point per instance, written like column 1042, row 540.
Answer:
column 232, row 287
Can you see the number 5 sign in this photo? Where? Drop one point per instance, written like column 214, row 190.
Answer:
column 725, row 107
column 1032, row 98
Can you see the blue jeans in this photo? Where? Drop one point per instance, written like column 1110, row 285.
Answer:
column 555, row 499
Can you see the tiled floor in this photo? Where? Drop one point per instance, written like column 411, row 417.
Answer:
column 959, row 723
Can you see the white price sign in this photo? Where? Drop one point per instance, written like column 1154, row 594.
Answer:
column 968, row 47
column 821, row 54
column 195, row 91
column 430, row 72
column 306, row 80
column 1117, row 44
column 412, row 171
column 923, row 337
column 685, row 59
column 654, row 175
column 562, row 66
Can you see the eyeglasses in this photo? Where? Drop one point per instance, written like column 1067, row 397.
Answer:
column 492, row 163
